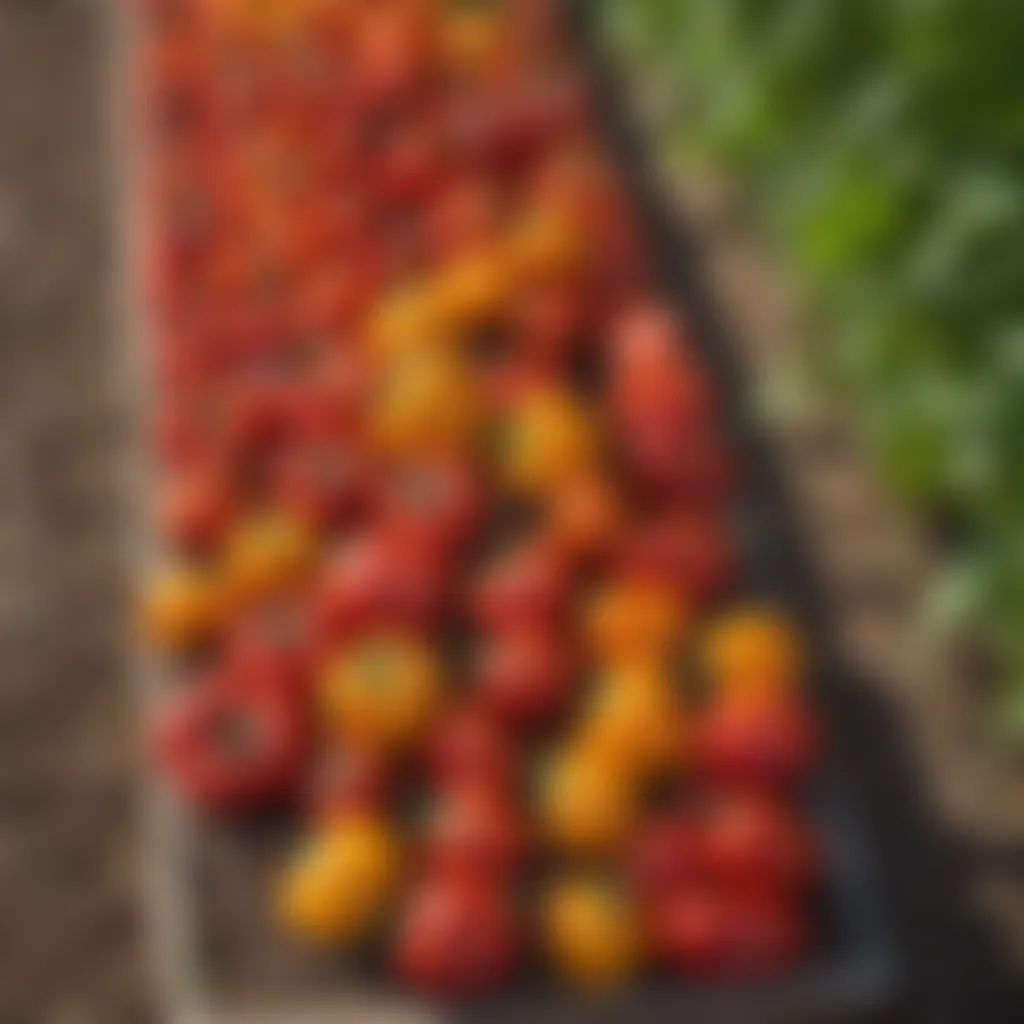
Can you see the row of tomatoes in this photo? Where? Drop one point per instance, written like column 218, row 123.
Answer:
column 450, row 509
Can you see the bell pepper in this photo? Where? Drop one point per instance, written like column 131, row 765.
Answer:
column 381, row 690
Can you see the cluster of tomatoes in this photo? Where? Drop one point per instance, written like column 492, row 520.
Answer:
column 447, row 509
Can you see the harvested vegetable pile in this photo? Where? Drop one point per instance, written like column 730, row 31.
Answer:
column 446, row 510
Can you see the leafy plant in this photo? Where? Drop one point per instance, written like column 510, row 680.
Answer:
column 883, row 145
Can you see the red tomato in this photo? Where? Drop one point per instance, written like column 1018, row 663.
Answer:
column 691, row 466
column 456, row 939
column 271, row 649
column 435, row 503
column 468, row 748
column 348, row 780
column 391, row 55
column 646, row 339
column 229, row 749
column 182, row 436
column 463, row 218
column 527, row 585
column 475, row 832
column 548, row 323
column 378, row 580
column 324, row 485
column 408, row 166
column 753, row 844
column 691, row 552
column 352, row 591
column 665, row 855
column 689, row 931
column 525, row 677
column 764, row 937
column 197, row 507
column 761, row 742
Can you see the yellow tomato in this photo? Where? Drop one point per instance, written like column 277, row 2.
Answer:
column 586, row 806
column 181, row 606
column 754, row 649
column 425, row 402
column 339, row 881
column 548, row 439
column 471, row 40
column 265, row 555
column 543, row 243
column 631, row 721
column 381, row 690
column 591, row 932
column 472, row 290
column 585, row 516
column 405, row 322
column 633, row 621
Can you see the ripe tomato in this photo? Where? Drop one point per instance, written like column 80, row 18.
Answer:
column 695, row 467
column 340, row 881
column 586, row 804
column 348, row 780
column 764, row 937
column 548, row 323
column 463, row 218
column 456, row 938
column 522, row 586
column 692, row 553
column 467, row 748
column 435, row 503
column 525, row 677
column 755, row 845
column 182, row 607
column 323, row 484
column 666, row 854
column 591, row 933
column 761, row 742
column 634, row 621
column 408, row 165
column 585, row 518
column 197, row 507
column 688, row 930
column 755, row 649
column 271, row 649
column 265, row 556
column 381, row 690
column 229, row 749
column 376, row 579
column 646, row 339
column 475, row 832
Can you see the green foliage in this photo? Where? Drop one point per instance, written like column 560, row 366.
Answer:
column 883, row 144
